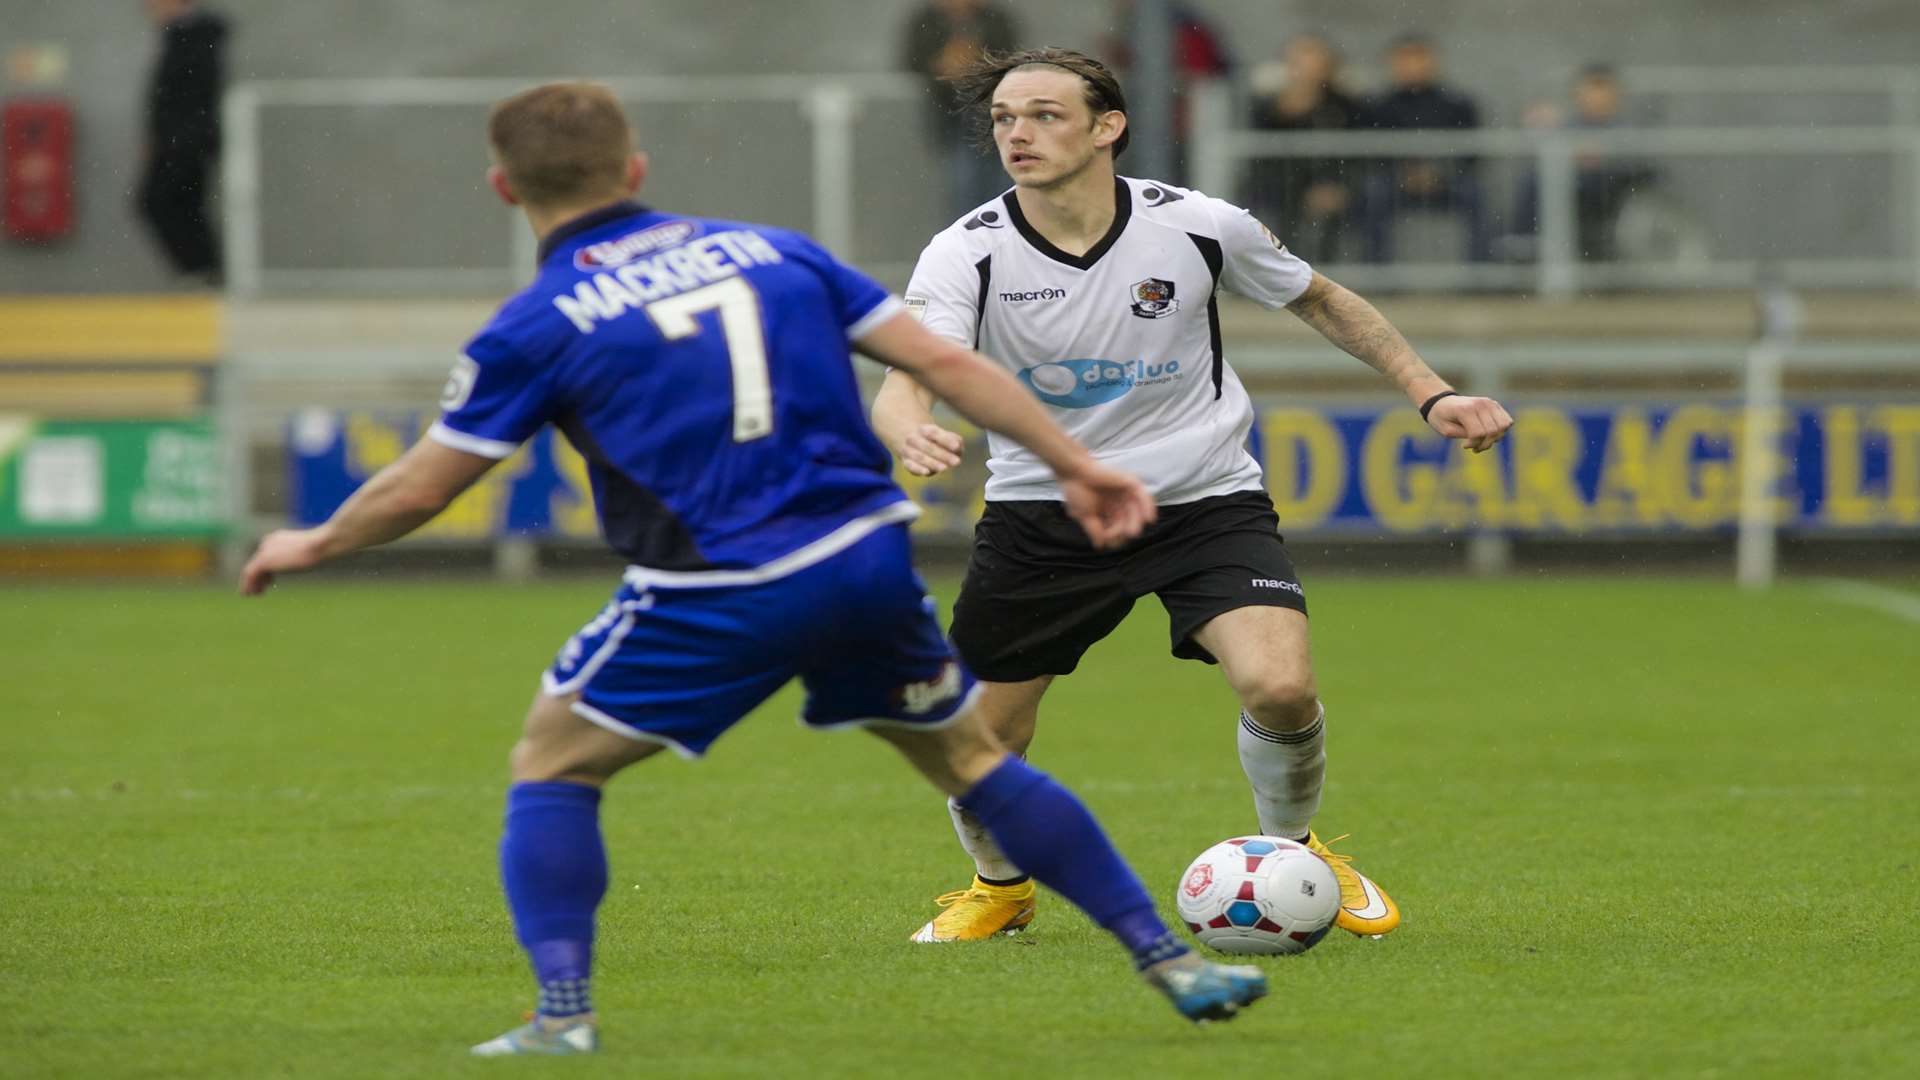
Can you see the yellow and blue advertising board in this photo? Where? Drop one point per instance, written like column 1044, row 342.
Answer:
column 1355, row 469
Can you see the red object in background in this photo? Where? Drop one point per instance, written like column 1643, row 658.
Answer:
column 36, row 168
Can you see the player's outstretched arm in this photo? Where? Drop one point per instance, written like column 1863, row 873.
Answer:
column 399, row 499
column 1357, row 327
column 903, row 418
column 1112, row 506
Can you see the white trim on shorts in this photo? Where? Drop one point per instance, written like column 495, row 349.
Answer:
column 620, row 727
column 840, row 539
column 617, row 634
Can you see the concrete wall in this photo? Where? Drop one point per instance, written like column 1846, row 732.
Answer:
column 1504, row 50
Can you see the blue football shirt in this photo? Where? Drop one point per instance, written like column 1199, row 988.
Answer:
column 702, row 369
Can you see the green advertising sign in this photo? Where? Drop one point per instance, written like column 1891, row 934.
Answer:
column 118, row 479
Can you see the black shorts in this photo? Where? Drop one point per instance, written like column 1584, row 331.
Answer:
column 1037, row 595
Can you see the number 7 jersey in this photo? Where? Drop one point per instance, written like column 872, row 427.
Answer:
column 702, row 369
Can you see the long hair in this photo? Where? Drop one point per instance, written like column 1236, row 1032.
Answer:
column 974, row 85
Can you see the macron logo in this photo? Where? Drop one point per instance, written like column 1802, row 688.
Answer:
column 1029, row 297
column 1272, row 583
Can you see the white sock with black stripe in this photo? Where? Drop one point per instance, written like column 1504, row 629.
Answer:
column 1286, row 769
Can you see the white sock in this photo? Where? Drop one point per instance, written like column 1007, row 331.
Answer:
column 991, row 863
column 1286, row 769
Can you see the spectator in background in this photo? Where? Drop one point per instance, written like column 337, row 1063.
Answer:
column 942, row 38
column 1199, row 54
column 1417, row 101
column 1601, row 183
column 183, row 134
column 1306, row 198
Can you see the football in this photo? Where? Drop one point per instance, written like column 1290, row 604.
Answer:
column 1258, row 894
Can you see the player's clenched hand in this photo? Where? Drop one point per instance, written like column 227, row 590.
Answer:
column 1478, row 422
column 930, row 449
column 281, row 551
column 1111, row 506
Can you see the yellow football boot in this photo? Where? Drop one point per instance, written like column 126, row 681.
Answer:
column 980, row 911
column 1364, row 909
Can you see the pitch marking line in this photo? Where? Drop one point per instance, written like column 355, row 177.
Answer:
column 1894, row 602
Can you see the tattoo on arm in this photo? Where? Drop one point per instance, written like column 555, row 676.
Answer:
column 1358, row 328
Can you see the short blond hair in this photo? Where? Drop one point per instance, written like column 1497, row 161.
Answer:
column 561, row 142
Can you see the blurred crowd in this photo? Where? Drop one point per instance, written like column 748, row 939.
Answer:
column 1328, row 207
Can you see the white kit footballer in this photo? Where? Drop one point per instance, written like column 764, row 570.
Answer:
column 1124, row 340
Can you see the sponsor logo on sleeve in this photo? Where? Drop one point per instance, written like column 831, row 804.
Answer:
column 459, row 384
column 985, row 219
column 917, row 306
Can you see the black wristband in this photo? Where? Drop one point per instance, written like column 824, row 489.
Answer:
column 1427, row 406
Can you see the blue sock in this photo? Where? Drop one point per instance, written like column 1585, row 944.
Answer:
column 554, row 867
column 1045, row 831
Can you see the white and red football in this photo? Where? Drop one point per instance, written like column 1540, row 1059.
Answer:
column 1258, row 894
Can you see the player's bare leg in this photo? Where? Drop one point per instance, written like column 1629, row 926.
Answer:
column 554, row 867
column 1053, row 834
column 1264, row 653
column 558, row 745
column 1001, row 898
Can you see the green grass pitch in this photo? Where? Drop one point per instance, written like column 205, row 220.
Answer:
column 1638, row 827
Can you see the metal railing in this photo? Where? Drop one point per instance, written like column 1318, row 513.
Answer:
column 1223, row 147
column 829, row 107
column 863, row 218
column 1896, row 87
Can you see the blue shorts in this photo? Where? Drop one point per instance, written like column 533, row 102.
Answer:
column 680, row 665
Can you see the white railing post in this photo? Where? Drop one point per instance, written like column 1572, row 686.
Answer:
column 234, row 429
column 1559, row 254
column 523, row 250
column 1756, row 556
column 1912, row 178
column 1150, row 37
column 1211, row 140
column 1903, row 106
column 240, row 190
column 831, row 109
column 515, row 558
column 1489, row 549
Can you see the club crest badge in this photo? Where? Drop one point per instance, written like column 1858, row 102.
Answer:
column 1153, row 298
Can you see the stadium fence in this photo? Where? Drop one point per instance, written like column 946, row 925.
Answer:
column 309, row 206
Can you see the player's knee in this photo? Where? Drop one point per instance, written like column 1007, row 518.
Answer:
column 525, row 762
column 1281, row 700
column 953, row 758
column 538, row 760
column 1014, row 730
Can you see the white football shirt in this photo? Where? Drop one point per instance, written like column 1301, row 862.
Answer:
column 1122, row 342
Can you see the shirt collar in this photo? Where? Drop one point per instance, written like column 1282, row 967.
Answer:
column 587, row 222
column 1122, row 210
